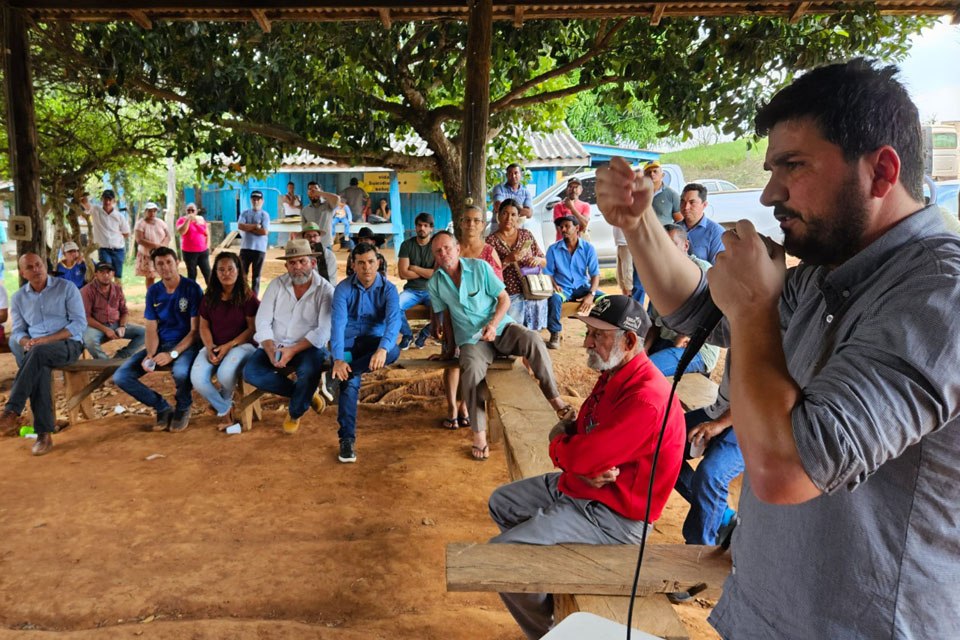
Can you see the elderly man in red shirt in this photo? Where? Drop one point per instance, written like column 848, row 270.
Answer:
column 605, row 454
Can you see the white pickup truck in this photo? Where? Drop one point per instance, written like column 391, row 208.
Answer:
column 725, row 208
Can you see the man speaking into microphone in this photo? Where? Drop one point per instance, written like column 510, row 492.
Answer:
column 845, row 381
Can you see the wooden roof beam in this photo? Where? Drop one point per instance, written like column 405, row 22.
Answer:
column 518, row 16
column 797, row 11
column 140, row 17
column 261, row 17
column 385, row 18
column 658, row 10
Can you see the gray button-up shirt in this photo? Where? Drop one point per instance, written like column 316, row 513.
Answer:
column 875, row 346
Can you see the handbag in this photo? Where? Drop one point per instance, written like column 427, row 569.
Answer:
column 534, row 284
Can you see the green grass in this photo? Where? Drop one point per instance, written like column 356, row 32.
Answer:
column 11, row 281
column 727, row 160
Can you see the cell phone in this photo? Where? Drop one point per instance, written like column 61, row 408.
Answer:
column 277, row 356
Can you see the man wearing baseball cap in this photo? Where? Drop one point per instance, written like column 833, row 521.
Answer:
column 110, row 231
column 575, row 271
column 254, row 225
column 72, row 267
column 666, row 201
column 326, row 260
column 605, row 455
column 106, row 309
column 573, row 206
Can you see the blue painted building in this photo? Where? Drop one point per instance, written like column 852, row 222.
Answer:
column 600, row 154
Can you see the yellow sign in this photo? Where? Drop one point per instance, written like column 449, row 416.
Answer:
column 379, row 182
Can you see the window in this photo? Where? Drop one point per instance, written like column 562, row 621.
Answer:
column 944, row 141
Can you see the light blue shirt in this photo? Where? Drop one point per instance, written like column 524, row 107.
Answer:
column 359, row 311
column 252, row 240
column 572, row 271
column 705, row 242
column 503, row 191
column 473, row 304
column 43, row 313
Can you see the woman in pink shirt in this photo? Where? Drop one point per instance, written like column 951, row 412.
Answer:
column 150, row 232
column 194, row 243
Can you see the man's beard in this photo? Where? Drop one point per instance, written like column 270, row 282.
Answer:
column 298, row 277
column 832, row 238
column 595, row 362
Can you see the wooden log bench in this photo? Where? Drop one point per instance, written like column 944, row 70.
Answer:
column 590, row 578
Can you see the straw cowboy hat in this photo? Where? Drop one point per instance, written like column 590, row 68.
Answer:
column 297, row 249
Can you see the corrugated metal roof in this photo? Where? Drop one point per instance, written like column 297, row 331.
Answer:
column 558, row 149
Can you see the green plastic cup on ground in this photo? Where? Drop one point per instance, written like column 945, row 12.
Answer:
column 25, row 430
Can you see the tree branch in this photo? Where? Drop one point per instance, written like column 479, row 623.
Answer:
column 599, row 45
column 547, row 96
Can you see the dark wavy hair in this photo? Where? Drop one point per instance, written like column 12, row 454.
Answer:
column 241, row 290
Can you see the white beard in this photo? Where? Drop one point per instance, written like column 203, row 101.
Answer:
column 595, row 362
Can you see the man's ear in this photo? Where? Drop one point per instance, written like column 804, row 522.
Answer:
column 884, row 164
column 631, row 340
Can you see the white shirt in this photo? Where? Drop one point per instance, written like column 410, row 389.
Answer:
column 4, row 300
column 286, row 320
column 109, row 228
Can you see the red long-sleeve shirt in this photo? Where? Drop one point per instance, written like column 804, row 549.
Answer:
column 618, row 426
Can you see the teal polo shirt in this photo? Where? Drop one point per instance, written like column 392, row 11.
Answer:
column 471, row 306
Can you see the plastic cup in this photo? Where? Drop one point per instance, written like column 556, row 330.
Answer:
column 149, row 364
column 234, row 429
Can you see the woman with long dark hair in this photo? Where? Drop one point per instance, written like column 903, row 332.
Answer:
column 227, row 313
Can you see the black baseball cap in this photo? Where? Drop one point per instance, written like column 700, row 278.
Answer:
column 108, row 195
column 618, row 312
column 256, row 194
column 558, row 221
column 105, row 266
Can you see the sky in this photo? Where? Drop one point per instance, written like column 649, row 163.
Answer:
column 931, row 72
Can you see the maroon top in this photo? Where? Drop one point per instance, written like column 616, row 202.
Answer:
column 105, row 309
column 228, row 321
column 487, row 256
column 511, row 275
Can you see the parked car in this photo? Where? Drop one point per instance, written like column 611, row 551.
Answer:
column 946, row 196
column 725, row 208
column 716, row 185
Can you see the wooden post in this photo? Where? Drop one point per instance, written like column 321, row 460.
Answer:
column 476, row 105
column 22, row 128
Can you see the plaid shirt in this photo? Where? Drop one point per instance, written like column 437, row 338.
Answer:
column 105, row 309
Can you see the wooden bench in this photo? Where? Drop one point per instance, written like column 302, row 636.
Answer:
column 593, row 578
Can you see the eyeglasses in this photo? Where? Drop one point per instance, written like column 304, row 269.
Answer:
column 227, row 269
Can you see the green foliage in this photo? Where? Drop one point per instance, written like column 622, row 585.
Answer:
column 357, row 92
column 738, row 161
column 594, row 117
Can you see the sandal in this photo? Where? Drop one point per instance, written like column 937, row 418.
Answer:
column 450, row 423
column 566, row 411
column 223, row 427
column 480, row 454
column 463, row 421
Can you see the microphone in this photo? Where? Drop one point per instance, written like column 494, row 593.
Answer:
column 699, row 337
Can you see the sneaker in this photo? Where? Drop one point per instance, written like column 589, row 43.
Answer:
column 318, row 403
column 421, row 340
column 180, row 421
column 554, row 342
column 725, row 533
column 405, row 342
column 347, row 452
column 164, row 418
column 290, row 425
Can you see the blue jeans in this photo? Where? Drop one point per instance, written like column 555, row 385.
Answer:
column 345, row 219
column 362, row 350
column 114, row 257
column 666, row 357
column 411, row 298
column 309, row 364
column 201, row 375
column 128, row 377
column 555, row 305
column 706, row 487
column 92, row 338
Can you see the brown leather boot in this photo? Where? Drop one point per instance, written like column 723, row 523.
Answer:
column 43, row 445
column 8, row 423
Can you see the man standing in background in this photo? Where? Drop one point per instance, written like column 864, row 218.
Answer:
column 110, row 231
column 254, row 225
column 356, row 198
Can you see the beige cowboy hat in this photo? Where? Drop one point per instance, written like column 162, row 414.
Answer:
column 297, row 249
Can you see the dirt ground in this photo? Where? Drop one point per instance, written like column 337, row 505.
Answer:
column 258, row 535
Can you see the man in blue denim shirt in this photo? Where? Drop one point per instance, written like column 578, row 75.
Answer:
column 363, row 337
column 572, row 265
column 171, row 313
column 48, row 324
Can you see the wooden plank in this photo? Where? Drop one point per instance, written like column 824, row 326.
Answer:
column 229, row 240
column 797, row 11
column 261, row 17
column 696, row 391
column 141, row 19
column 583, row 568
column 657, row 13
column 653, row 614
column 93, row 364
column 418, row 312
column 80, row 395
column 526, row 418
column 499, row 364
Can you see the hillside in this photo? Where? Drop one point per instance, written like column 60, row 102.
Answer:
column 727, row 160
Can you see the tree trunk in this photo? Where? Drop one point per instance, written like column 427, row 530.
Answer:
column 22, row 128
column 476, row 106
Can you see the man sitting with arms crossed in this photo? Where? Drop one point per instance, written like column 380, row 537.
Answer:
column 106, row 309
column 844, row 389
column 476, row 303
column 605, row 454
column 293, row 327
column 366, row 319
column 573, row 267
column 48, row 324
column 172, row 330
column 415, row 265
